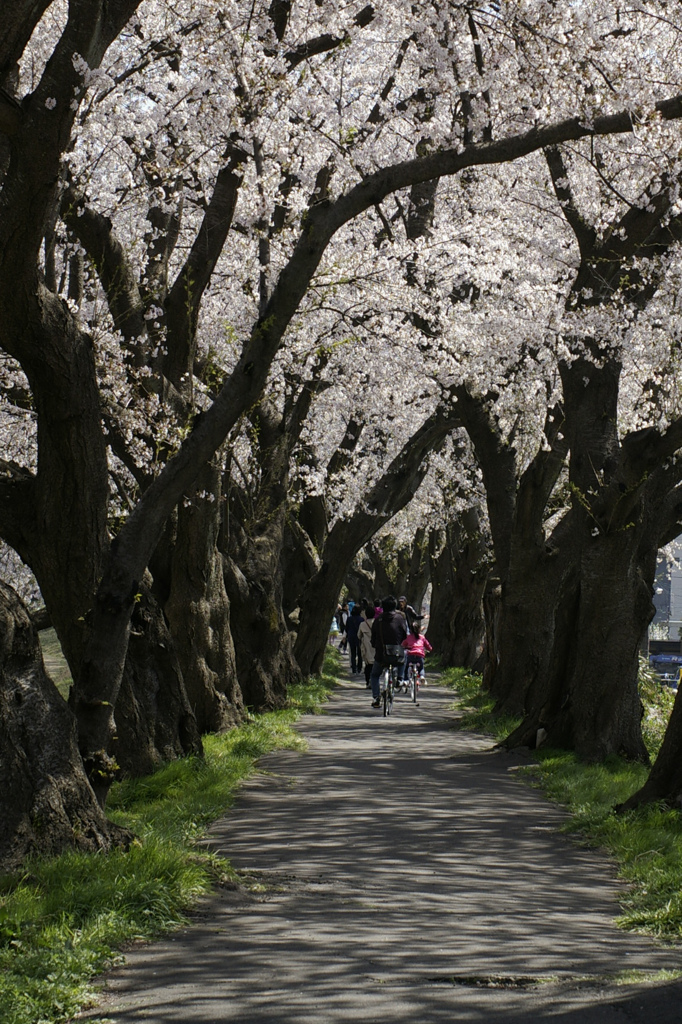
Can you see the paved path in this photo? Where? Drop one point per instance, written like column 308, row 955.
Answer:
column 398, row 871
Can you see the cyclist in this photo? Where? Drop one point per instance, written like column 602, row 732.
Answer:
column 416, row 646
column 388, row 633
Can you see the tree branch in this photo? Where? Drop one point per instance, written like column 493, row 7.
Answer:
column 321, row 222
column 17, row 506
column 585, row 234
column 498, row 466
column 182, row 304
column 393, row 490
column 539, row 478
column 96, row 235
column 11, row 114
column 327, row 42
column 20, row 18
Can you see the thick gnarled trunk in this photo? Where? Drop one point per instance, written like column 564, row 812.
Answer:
column 589, row 700
column 46, row 802
column 198, row 610
column 602, row 713
column 253, row 543
column 317, row 607
column 665, row 779
column 526, row 628
column 263, row 645
column 459, row 573
column 154, row 719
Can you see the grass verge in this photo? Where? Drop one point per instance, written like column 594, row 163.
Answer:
column 476, row 706
column 646, row 844
column 55, row 662
column 63, row 920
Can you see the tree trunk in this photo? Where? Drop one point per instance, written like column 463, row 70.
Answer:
column 545, row 693
column 59, row 527
column 253, row 544
column 300, row 562
column 525, row 628
column 409, row 576
column 665, row 779
column 198, row 611
column 603, row 712
column 359, row 583
column 418, row 575
column 589, row 701
column 46, row 803
column 154, row 719
column 591, row 704
column 383, row 584
column 467, row 638
column 441, row 571
column 265, row 662
column 470, row 561
column 492, row 609
column 318, row 605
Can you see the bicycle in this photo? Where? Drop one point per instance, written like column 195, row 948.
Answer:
column 389, row 679
column 413, row 681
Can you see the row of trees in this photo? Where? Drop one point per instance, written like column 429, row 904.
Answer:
column 270, row 271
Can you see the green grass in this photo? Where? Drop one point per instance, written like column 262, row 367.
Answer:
column 55, row 662
column 63, row 920
column 658, row 704
column 646, row 844
column 476, row 706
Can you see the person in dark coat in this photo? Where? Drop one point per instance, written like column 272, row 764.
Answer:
column 342, row 618
column 408, row 611
column 352, row 626
column 389, row 629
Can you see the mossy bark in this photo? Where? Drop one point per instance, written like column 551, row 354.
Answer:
column 46, row 802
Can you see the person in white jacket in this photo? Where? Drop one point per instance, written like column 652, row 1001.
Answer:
column 365, row 638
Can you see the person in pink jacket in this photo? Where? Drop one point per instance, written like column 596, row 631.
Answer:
column 417, row 646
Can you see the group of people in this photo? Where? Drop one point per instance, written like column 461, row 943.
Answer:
column 374, row 632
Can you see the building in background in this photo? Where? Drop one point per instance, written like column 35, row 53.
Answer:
column 664, row 646
column 667, row 622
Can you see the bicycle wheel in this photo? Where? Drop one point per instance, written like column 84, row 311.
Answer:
column 390, row 684
column 415, row 688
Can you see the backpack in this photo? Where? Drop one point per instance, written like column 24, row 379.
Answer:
column 394, row 654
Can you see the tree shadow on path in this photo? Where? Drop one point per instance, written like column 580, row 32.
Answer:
column 397, row 871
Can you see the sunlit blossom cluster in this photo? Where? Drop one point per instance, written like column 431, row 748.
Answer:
column 478, row 298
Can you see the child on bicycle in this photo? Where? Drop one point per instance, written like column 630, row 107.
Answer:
column 416, row 646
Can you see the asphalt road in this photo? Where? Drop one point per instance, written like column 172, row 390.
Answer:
column 398, row 871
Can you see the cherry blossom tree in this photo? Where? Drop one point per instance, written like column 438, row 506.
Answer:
column 178, row 184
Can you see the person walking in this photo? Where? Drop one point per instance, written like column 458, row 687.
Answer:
column 408, row 611
column 352, row 627
column 342, row 619
column 365, row 637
